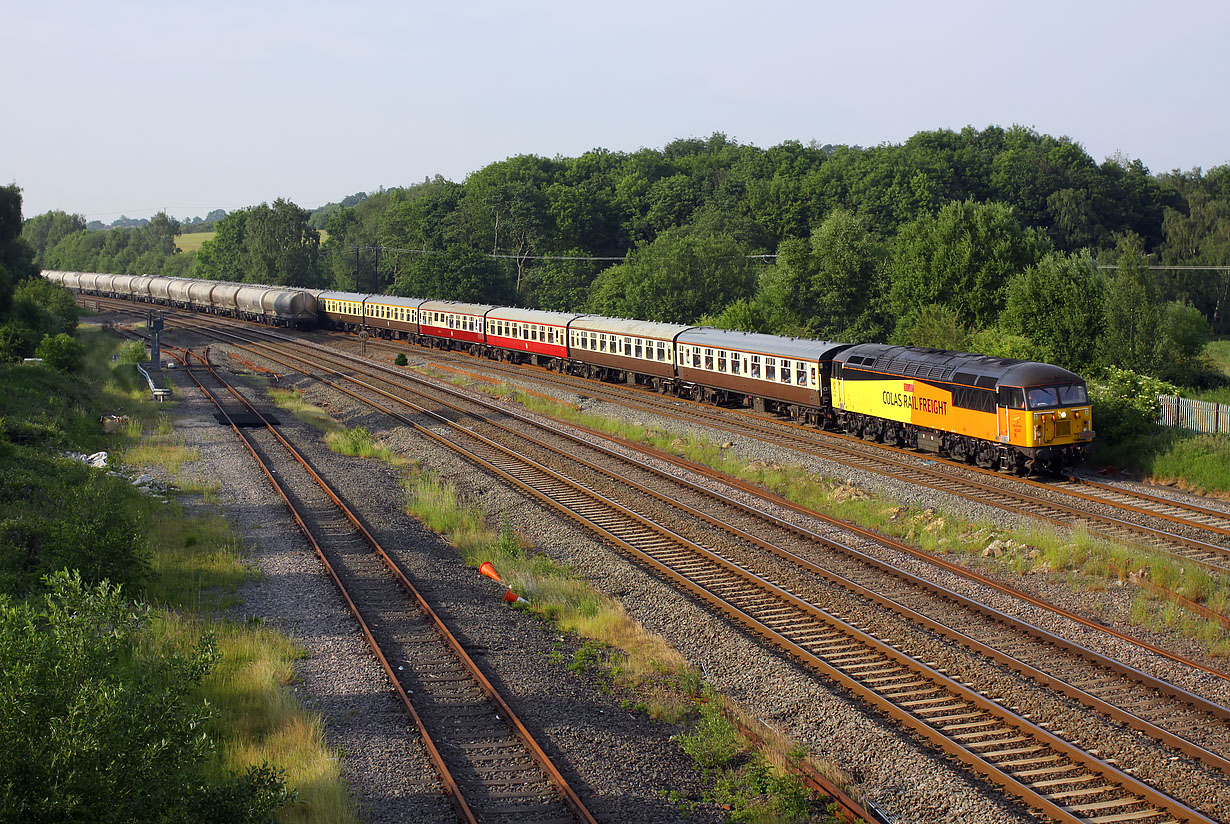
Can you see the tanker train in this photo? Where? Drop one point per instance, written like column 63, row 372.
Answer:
column 1011, row 415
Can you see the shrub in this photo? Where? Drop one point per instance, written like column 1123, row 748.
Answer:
column 1125, row 403
column 132, row 351
column 100, row 724
column 62, row 352
column 400, row 360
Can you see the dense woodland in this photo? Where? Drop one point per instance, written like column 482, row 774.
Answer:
column 1002, row 241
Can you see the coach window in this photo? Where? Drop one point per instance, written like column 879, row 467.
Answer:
column 736, row 366
column 696, row 356
column 661, row 351
column 755, row 366
column 800, row 373
column 813, row 377
column 709, row 359
column 638, row 346
column 602, row 342
column 721, row 360
column 785, row 371
column 770, row 369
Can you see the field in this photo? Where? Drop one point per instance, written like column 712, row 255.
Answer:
column 191, row 242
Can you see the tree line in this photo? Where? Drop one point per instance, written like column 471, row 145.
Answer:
column 1001, row 240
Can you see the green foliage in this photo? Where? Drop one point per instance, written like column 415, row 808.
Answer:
column 135, row 250
column 46, row 230
column 933, row 325
column 1132, row 311
column 999, row 343
column 962, row 257
column 400, row 360
column 677, row 278
column 741, row 779
column 62, row 352
column 131, row 351
column 1058, row 304
column 831, row 285
column 99, row 723
column 1180, row 345
column 1125, row 403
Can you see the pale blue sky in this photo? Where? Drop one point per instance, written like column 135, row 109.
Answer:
column 130, row 107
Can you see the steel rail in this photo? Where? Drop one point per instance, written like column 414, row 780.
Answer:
column 1211, row 710
column 1052, row 743
column 551, row 772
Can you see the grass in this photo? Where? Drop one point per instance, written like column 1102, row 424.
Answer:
column 1083, row 561
column 1219, row 352
column 1200, row 463
column 741, row 779
column 192, row 241
column 198, row 567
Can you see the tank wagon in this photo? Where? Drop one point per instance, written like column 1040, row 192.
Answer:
column 275, row 305
column 999, row 413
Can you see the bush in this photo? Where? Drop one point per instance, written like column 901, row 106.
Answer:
column 400, row 360
column 1125, row 403
column 62, row 352
column 132, row 351
column 16, row 341
column 100, row 725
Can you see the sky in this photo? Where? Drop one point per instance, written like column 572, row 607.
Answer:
column 128, row 108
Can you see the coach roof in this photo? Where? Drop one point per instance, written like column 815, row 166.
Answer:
column 756, row 343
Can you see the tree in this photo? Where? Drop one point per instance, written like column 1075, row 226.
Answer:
column 1131, row 310
column 1180, row 346
column 962, row 258
column 1058, row 304
column 280, row 247
column 831, row 284
column 223, row 257
column 934, row 326
column 46, row 230
column 676, row 278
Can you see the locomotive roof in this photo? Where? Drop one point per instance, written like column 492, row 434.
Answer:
column 531, row 316
column 772, row 345
column 632, row 328
column 958, row 367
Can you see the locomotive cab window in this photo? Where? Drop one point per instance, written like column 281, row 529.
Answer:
column 1012, row 397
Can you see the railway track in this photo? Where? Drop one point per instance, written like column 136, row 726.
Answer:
column 1197, row 534
column 489, row 765
column 1077, row 781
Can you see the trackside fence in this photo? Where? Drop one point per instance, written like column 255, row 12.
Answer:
column 1199, row 416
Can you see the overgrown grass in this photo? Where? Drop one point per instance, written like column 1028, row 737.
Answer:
column 741, row 779
column 652, row 672
column 197, row 569
column 1200, row 463
column 359, row 443
column 1219, row 352
column 293, row 402
column 1082, row 561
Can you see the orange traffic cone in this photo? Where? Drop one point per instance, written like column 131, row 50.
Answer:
column 488, row 570
column 513, row 598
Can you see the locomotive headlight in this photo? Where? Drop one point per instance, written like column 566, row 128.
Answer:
column 1063, row 414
